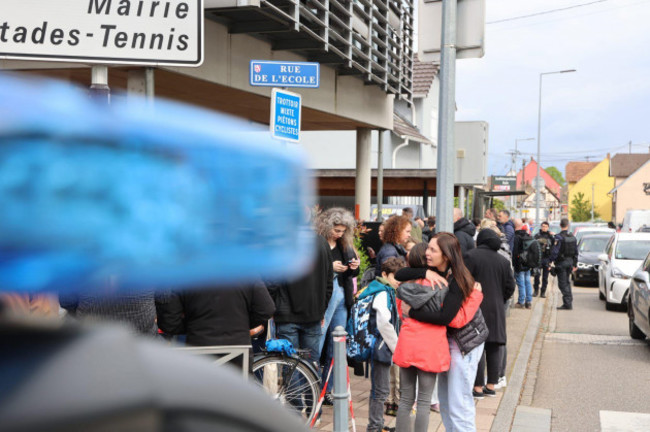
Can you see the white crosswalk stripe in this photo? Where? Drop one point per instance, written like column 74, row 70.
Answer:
column 618, row 421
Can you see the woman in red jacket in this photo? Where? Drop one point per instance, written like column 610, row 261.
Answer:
column 422, row 349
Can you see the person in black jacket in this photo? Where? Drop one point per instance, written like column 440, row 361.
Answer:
column 565, row 257
column 337, row 225
column 300, row 304
column 546, row 241
column 215, row 316
column 522, row 272
column 464, row 230
column 494, row 273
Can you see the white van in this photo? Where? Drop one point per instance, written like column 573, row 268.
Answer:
column 635, row 219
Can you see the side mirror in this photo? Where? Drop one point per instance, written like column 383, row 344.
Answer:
column 602, row 257
column 642, row 276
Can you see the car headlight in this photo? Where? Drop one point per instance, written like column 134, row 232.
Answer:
column 616, row 273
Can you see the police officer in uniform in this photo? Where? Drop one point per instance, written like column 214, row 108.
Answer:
column 564, row 255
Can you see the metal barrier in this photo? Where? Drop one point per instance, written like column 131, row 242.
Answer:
column 341, row 394
column 226, row 353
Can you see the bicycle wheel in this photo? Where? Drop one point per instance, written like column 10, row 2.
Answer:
column 290, row 381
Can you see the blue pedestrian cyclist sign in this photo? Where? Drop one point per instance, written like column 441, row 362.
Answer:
column 285, row 115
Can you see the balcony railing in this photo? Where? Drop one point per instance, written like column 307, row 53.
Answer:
column 369, row 38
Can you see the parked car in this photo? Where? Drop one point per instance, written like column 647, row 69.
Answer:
column 624, row 254
column 589, row 247
column 580, row 232
column 644, row 228
column 638, row 302
column 635, row 219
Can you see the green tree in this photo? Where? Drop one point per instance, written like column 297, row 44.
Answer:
column 498, row 204
column 581, row 208
column 556, row 174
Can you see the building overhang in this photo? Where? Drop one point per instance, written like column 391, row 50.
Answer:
column 187, row 89
column 397, row 182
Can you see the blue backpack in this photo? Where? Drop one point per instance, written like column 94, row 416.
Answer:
column 362, row 325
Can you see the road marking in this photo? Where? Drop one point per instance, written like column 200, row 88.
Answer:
column 591, row 339
column 618, row 421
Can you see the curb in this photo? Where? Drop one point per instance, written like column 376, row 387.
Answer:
column 507, row 408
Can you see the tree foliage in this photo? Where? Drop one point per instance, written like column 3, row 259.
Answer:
column 498, row 204
column 581, row 208
column 556, row 174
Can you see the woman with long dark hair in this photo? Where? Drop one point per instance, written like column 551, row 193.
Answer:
column 465, row 343
column 423, row 349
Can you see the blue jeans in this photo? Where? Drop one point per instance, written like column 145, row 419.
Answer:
column 455, row 390
column 524, row 286
column 302, row 336
column 335, row 315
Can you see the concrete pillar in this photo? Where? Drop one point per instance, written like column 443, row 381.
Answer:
column 362, row 184
column 140, row 82
column 461, row 198
column 136, row 82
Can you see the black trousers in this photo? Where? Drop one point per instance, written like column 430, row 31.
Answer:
column 563, row 270
column 493, row 356
column 544, row 273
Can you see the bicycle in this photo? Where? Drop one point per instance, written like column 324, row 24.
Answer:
column 289, row 378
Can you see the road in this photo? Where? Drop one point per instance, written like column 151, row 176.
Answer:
column 588, row 366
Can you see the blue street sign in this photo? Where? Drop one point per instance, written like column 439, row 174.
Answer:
column 284, row 74
column 285, row 115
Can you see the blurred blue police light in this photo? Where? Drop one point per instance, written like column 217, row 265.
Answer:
column 172, row 196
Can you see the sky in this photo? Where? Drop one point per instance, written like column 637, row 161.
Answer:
column 598, row 109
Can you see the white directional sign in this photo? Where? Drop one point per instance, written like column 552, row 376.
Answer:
column 142, row 32
column 285, row 115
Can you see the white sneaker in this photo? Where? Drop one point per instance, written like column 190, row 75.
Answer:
column 501, row 384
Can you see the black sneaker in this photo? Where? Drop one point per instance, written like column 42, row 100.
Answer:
column 565, row 307
column 328, row 400
column 528, row 305
column 477, row 395
column 535, row 293
column 488, row 392
column 543, row 295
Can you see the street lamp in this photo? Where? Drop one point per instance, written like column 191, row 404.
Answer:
column 538, row 185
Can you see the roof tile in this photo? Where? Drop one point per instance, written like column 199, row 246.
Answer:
column 624, row 164
column 423, row 76
column 576, row 170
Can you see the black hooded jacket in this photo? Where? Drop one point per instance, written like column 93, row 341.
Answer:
column 494, row 273
column 464, row 230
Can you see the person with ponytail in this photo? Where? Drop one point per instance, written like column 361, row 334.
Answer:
column 446, row 267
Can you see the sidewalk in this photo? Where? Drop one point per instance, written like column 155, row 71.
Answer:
column 486, row 409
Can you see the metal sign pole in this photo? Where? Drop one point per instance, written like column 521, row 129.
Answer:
column 446, row 147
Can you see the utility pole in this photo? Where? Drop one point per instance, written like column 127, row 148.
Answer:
column 447, row 106
column 592, row 202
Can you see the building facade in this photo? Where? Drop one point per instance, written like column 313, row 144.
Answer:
column 595, row 185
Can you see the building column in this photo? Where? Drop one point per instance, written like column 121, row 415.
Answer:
column 362, row 183
column 140, row 82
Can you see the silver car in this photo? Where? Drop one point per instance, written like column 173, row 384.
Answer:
column 624, row 254
column 638, row 302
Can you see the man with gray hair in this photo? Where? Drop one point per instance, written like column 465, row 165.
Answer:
column 464, row 230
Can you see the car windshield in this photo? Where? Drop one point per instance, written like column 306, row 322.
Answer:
column 594, row 244
column 632, row 249
column 585, row 232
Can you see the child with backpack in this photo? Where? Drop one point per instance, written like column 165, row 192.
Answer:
column 373, row 328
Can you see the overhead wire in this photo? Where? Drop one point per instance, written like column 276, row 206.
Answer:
column 545, row 12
